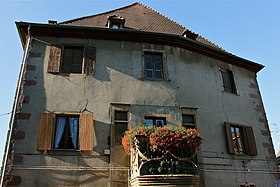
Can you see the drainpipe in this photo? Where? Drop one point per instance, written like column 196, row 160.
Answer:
column 13, row 116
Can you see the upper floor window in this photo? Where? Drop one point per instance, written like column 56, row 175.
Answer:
column 241, row 139
column 153, row 66
column 72, row 59
column 228, row 80
column 151, row 121
column 237, row 139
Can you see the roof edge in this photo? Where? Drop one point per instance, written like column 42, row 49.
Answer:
column 129, row 35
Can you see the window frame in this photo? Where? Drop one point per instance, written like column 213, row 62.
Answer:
column 118, row 122
column 164, row 72
column 66, row 128
column 190, row 111
column 248, row 139
column 63, row 62
column 117, row 107
column 155, row 118
column 228, row 80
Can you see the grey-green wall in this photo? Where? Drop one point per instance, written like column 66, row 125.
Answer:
column 191, row 80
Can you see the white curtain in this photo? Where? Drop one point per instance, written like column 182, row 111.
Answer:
column 60, row 125
column 74, row 130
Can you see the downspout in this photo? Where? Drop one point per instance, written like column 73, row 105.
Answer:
column 15, row 106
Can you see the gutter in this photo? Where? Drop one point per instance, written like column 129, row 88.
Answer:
column 15, row 105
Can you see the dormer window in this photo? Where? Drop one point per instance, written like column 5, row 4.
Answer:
column 190, row 34
column 115, row 22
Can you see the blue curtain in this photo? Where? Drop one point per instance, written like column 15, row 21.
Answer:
column 60, row 125
column 74, row 130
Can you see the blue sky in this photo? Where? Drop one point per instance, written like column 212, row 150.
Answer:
column 249, row 29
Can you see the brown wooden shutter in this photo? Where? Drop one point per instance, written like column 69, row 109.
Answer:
column 45, row 131
column 54, row 59
column 89, row 60
column 252, row 148
column 229, row 138
column 86, row 132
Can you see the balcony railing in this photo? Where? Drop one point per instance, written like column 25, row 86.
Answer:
column 162, row 168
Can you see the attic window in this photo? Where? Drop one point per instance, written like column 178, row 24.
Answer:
column 115, row 22
column 190, row 34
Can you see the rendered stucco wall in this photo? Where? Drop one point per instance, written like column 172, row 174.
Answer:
column 191, row 80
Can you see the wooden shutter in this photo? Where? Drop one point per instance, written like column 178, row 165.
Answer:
column 54, row 59
column 45, row 131
column 86, row 132
column 89, row 60
column 229, row 138
column 252, row 148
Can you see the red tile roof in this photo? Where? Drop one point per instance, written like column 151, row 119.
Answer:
column 140, row 17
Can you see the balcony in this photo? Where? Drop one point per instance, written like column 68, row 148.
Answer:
column 162, row 156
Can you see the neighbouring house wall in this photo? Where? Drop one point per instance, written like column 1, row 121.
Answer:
column 191, row 80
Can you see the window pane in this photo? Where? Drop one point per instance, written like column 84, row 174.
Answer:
column 72, row 60
column 148, row 58
column 121, row 115
column 237, row 139
column 149, row 65
column 158, row 66
column 157, row 58
column 159, row 123
column 158, row 74
column 149, row 122
column 155, row 121
column 149, row 74
column 77, row 61
column 187, row 118
column 66, row 132
column 120, row 128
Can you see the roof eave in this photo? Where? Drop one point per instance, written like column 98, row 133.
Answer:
column 135, row 36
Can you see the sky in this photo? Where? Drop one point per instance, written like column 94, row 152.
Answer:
column 249, row 29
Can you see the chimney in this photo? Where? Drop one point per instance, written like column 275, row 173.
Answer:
column 52, row 22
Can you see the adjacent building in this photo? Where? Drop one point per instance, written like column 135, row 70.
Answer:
column 85, row 81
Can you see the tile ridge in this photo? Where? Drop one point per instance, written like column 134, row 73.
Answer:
column 86, row 17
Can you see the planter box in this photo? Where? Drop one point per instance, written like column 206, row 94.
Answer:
column 166, row 180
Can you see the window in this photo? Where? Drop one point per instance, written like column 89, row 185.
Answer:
column 155, row 121
column 115, row 22
column 228, row 80
column 189, row 117
column 240, row 139
column 72, row 59
column 153, row 66
column 65, row 131
column 237, row 139
column 120, row 122
column 188, row 121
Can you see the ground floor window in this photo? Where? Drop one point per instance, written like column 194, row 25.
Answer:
column 61, row 131
column 66, row 132
column 155, row 121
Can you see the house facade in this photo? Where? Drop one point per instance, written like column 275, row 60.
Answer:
column 85, row 81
